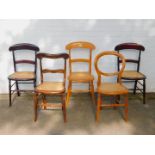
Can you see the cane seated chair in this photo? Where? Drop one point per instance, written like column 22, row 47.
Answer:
column 110, row 89
column 80, row 76
column 22, row 77
column 46, row 88
column 134, row 76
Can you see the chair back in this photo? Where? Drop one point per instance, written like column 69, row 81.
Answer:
column 21, row 47
column 130, row 46
column 42, row 56
column 99, row 72
column 83, row 45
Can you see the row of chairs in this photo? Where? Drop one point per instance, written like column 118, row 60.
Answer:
column 58, row 88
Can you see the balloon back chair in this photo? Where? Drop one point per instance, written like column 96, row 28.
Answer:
column 50, row 88
column 22, row 77
column 135, row 76
column 111, row 89
column 80, row 77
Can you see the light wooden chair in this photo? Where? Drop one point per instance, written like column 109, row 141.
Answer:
column 135, row 76
column 111, row 89
column 22, row 77
column 80, row 77
column 50, row 88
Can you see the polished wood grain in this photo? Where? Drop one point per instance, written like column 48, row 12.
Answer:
column 111, row 89
column 50, row 88
column 80, row 77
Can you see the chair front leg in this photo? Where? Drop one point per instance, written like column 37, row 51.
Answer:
column 64, row 107
column 10, row 98
column 35, row 106
column 144, row 91
column 92, row 91
column 135, row 87
column 98, row 107
column 69, row 91
column 17, row 87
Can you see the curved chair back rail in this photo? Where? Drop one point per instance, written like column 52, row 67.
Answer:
column 135, row 46
column 24, row 46
column 41, row 56
column 80, row 44
column 105, row 53
column 52, row 56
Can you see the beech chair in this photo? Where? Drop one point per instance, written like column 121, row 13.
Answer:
column 22, row 77
column 50, row 88
column 80, row 77
column 111, row 89
column 133, row 75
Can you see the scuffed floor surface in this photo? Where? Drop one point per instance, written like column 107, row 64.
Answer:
column 18, row 119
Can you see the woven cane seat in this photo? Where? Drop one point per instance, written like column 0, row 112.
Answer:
column 51, row 87
column 112, row 89
column 132, row 75
column 22, row 76
column 81, row 76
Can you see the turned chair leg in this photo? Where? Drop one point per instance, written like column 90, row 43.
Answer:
column 69, row 93
column 92, row 92
column 17, row 87
column 10, row 99
column 44, row 101
column 144, row 91
column 126, row 107
column 35, row 107
column 98, row 107
column 135, row 87
column 64, row 107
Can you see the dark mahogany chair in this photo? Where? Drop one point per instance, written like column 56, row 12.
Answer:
column 135, row 76
column 50, row 88
column 22, row 77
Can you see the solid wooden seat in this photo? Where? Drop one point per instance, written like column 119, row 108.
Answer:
column 81, row 76
column 129, row 74
column 51, row 87
column 112, row 89
column 22, row 76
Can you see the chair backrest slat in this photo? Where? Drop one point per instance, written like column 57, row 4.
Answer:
column 21, row 47
column 133, row 47
column 25, row 61
column 80, row 45
column 42, row 56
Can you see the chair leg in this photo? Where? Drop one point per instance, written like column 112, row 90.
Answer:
column 64, row 107
column 69, row 93
column 135, row 86
column 144, row 91
column 35, row 107
column 10, row 99
column 98, row 107
column 126, row 107
column 17, row 87
column 44, row 101
column 92, row 91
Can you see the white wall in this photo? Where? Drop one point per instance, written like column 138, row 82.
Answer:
column 52, row 36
